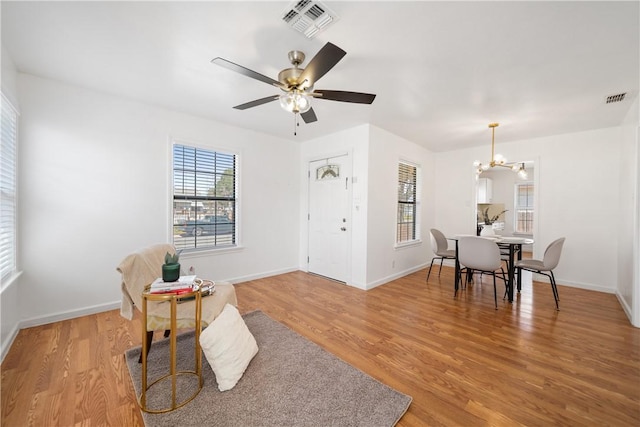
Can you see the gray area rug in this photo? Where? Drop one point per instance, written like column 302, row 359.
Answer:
column 290, row 382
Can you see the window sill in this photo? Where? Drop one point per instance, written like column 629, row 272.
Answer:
column 10, row 280
column 410, row 244
column 195, row 253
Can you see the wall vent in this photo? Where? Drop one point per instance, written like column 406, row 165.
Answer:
column 308, row 17
column 615, row 98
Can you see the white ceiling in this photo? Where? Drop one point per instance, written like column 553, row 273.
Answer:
column 441, row 70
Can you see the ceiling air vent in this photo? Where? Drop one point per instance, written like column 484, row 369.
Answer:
column 615, row 98
column 308, row 17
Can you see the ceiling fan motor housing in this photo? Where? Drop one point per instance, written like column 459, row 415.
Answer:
column 289, row 77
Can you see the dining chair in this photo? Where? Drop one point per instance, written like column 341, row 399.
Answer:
column 546, row 265
column 142, row 267
column 441, row 250
column 481, row 255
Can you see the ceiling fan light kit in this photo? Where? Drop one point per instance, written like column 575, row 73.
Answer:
column 498, row 160
column 295, row 102
column 298, row 83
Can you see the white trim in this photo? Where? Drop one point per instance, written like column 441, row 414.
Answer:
column 349, row 207
column 13, row 273
column 398, row 275
column 195, row 253
column 407, row 244
column 237, row 211
column 69, row 314
column 417, row 224
column 6, row 345
column 11, row 104
column 11, row 280
column 100, row 308
column 241, row 279
column 634, row 310
column 579, row 285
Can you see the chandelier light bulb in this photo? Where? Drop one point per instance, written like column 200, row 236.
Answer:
column 522, row 173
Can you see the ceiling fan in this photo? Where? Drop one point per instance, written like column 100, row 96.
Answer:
column 297, row 84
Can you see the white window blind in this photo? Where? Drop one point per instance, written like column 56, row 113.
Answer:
column 8, row 197
column 408, row 199
column 204, row 198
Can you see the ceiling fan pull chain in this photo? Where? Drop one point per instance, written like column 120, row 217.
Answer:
column 295, row 122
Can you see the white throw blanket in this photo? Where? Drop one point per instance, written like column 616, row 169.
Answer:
column 143, row 267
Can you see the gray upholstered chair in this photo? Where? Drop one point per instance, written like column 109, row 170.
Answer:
column 441, row 250
column 546, row 265
column 481, row 255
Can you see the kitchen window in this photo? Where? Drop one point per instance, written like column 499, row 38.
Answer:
column 204, row 198
column 524, row 208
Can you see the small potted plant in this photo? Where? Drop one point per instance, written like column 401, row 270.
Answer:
column 171, row 267
column 487, row 228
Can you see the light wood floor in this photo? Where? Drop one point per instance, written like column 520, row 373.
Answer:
column 463, row 362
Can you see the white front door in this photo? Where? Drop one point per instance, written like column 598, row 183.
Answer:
column 329, row 228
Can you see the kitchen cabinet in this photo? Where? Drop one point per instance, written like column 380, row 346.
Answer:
column 485, row 190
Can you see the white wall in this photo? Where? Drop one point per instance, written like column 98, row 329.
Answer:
column 94, row 186
column 386, row 261
column 9, row 298
column 374, row 258
column 355, row 141
column 628, row 288
column 9, row 78
column 574, row 200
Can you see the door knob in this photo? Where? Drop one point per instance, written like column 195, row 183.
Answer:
column 343, row 228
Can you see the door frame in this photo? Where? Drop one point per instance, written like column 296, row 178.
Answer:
column 349, row 213
column 536, row 246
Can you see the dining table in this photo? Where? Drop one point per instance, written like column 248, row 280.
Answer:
column 514, row 247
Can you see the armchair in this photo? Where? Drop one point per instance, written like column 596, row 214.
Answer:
column 143, row 267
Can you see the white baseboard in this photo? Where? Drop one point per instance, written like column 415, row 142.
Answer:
column 43, row 320
column 626, row 308
column 260, row 275
column 66, row 315
column 579, row 285
column 71, row 314
column 8, row 342
column 395, row 276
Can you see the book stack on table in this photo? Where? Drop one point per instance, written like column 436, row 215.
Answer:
column 183, row 285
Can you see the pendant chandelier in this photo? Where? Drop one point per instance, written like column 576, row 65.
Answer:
column 497, row 160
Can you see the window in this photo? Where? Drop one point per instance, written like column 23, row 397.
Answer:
column 204, row 198
column 524, row 208
column 8, row 197
column 408, row 228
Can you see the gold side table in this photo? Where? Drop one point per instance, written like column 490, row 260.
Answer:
column 173, row 373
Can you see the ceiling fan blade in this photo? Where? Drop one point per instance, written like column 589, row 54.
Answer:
column 256, row 102
column 309, row 116
column 320, row 64
column 245, row 71
column 344, row 96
